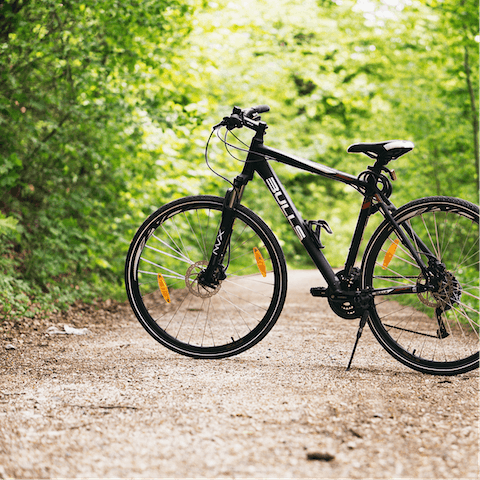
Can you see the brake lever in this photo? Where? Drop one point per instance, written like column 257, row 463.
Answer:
column 219, row 125
column 234, row 121
column 231, row 122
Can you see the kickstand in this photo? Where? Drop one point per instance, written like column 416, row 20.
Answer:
column 363, row 321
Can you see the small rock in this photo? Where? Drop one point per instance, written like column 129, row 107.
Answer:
column 54, row 330
column 321, row 456
column 67, row 330
column 76, row 331
column 9, row 346
column 354, row 433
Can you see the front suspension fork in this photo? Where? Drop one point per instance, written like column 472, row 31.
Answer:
column 215, row 270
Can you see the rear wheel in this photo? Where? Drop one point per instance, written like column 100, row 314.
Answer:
column 435, row 332
column 163, row 279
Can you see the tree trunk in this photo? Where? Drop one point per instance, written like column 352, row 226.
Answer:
column 473, row 108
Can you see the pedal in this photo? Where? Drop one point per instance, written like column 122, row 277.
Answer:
column 319, row 291
column 315, row 227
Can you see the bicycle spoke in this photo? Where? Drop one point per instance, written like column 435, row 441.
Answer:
column 473, row 255
column 195, row 236
column 401, row 258
column 465, row 292
column 207, row 323
column 398, row 274
column 395, row 280
column 238, row 309
column 164, row 275
column 176, row 250
column 437, row 236
column 256, row 277
column 452, row 230
column 460, row 260
column 176, row 275
column 184, row 315
column 413, row 237
column 201, row 231
column 182, row 259
column 463, row 313
column 244, row 300
column 250, row 289
column 196, row 320
column 227, row 313
column 247, row 254
column 430, row 238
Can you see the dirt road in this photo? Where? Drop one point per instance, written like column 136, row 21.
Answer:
column 115, row 404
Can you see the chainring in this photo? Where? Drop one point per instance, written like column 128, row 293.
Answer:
column 348, row 309
column 345, row 309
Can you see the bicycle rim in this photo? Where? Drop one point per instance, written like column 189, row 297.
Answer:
column 433, row 332
column 166, row 257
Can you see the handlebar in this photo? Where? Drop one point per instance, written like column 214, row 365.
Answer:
column 253, row 111
column 248, row 117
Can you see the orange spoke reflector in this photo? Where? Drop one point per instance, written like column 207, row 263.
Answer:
column 163, row 288
column 390, row 253
column 260, row 261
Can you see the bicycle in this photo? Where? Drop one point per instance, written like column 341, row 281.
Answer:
column 207, row 278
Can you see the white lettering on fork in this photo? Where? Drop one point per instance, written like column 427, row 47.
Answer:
column 218, row 242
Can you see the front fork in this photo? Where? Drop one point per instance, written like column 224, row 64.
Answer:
column 215, row 270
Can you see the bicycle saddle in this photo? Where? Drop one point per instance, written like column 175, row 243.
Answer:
column 386, row 151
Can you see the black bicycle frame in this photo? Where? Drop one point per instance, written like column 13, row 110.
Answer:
column 257, row 161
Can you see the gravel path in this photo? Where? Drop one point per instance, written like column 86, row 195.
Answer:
column 115, row 404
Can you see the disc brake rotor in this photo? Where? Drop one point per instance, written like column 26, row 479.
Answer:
column 195, row 288
column 448, row 293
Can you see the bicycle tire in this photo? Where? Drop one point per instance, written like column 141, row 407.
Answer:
column 434, row 333
column 176, row 241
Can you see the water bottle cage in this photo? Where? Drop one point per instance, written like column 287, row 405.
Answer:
column 315, row 228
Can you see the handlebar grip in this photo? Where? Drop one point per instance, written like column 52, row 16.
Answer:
column 249, row 112
column 262, row 108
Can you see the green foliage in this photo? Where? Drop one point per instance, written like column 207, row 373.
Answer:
column 335, row 73
column 75, row 78
column 105, row 107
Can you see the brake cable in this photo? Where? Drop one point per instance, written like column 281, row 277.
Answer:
column 207, row 162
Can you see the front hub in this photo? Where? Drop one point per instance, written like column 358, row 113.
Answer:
column 196, row 285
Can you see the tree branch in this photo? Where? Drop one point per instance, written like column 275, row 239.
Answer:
column 47, row 137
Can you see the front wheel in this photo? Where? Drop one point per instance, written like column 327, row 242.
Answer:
column 434, row 332
column 163, row 279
